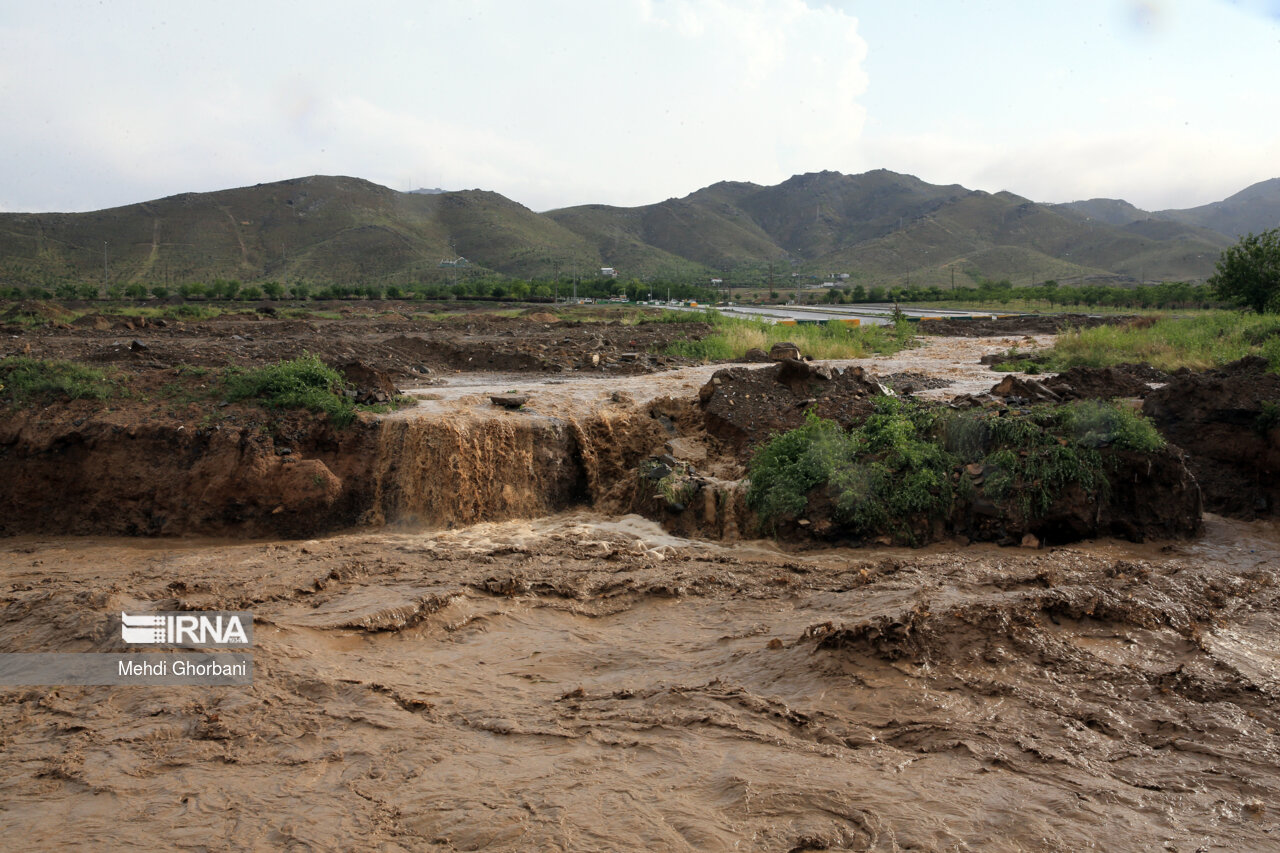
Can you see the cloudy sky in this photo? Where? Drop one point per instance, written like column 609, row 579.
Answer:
column 1166, row 103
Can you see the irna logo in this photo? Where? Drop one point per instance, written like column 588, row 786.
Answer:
column 191, row 630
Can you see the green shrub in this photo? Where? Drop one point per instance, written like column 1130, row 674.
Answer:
column 301, row 383
column 790, row 465
column 25, row 378
column 900, row 469
column 1094, row 423
column 880, row 477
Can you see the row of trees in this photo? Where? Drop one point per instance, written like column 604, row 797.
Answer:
column 1247, row 274
column 1174, row 294
column 471, row 288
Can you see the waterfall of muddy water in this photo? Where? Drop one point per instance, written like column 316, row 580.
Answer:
column 583, row 683
column 457, row 459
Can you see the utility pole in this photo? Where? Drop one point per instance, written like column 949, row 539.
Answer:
column 104, row 267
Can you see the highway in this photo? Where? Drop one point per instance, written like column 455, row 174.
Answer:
column 870, row 314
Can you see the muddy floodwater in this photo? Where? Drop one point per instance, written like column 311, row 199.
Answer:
column 584, row 683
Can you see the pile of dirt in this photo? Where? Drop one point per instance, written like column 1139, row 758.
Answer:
column 1227, row 420
column 36, row 312
column 743, row 406
column 371, row 385
column 1105, row 383
column 1027, row 324
column 1144, row 496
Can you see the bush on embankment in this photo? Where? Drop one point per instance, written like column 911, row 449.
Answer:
column 914, row 472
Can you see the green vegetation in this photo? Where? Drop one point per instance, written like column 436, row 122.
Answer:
column 1199, row 342
column 1029, row 457
column 28, row 378
column 887, row 475
column 1248, row 273
column 731, row 337
column 901, row 469
column 301, row 383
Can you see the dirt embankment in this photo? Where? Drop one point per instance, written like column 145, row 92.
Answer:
column 105, row 472
column 1146, row 494
column 1226, row 420
column 1023, row 324
column 1229, row 421
column 295, row 475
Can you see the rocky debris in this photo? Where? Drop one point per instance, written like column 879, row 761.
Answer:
column 909, row 382
column 1229, row 423
column 1027, row 324
column 783, row 350
column 1100, row 383
column 743, row 406
column 509, row 401
column 1017, row 389
column 138, row 346
column 755, row 355
column 371, row 385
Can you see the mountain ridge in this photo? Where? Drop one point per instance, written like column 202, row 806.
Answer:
column 879, row 226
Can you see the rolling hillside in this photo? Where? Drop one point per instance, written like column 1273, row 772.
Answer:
column 879, row 227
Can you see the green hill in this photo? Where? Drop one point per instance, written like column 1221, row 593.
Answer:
column 878, row 227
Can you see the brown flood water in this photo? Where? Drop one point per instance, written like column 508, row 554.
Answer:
column 581, row 683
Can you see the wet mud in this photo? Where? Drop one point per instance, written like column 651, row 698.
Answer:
column 584, row 683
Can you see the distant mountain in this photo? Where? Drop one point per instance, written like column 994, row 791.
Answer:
column 1112, row 211
column 879, row 227
column 1252, row 210
column 890, row 228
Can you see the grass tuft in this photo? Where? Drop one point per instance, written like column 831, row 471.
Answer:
column 27, row 378
column 305, row 382
column 731, row 337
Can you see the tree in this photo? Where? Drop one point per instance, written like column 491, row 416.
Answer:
column 1248, row 273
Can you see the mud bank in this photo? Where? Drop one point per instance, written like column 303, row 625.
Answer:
column 301, row 477
column 105, row 474
column 679, row 458
column 1229, row 421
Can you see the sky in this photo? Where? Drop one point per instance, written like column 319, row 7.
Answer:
column 1164, row 103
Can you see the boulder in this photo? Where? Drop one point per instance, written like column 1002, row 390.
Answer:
column 783, row 350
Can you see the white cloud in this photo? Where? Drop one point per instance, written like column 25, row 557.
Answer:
column 1151, row 170
column 624, row 103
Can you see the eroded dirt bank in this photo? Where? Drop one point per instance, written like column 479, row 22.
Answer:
column 164, row 461
column 581, row 684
